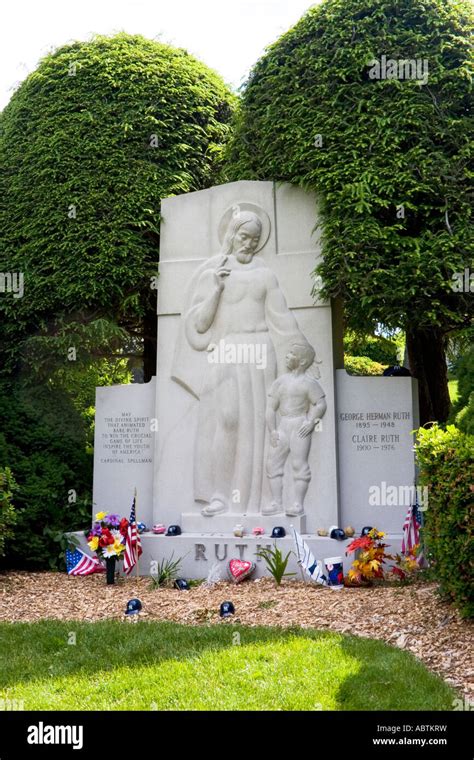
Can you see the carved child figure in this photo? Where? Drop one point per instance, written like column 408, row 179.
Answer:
column 300, row 402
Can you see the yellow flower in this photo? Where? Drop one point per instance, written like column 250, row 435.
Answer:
column 94, row 543
column 118, row 546
column 100, row 516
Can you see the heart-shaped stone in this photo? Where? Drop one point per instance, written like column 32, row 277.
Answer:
column 239, row 569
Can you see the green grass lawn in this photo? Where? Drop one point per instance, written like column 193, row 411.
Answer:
column 164, row 666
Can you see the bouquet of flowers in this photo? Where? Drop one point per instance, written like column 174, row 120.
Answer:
column 108, row 535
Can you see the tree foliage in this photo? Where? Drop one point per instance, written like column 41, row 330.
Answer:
column 463, row 410
column 90, row 143
column 389, row 158
column 375, row 347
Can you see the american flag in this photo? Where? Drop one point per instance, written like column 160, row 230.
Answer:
column 306, row 560
column 411, row 530
column 133, row 545
column 78, row 563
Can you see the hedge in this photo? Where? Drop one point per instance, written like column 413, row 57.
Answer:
column 445, row 458
column 375, row 347
column 362, row 365
column 43, row 440
column 7, row 511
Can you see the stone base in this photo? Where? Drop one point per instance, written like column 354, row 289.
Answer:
column 193, row 522
column 198, row 552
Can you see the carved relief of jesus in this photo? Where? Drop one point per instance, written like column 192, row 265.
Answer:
column 233, row 297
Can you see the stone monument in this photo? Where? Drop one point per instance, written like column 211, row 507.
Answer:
column 234, row 301
column 251, row 419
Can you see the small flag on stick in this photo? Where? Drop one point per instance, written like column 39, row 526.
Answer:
column 306, row 560
column 411, row 531
column 78, row 563
column 133, row 544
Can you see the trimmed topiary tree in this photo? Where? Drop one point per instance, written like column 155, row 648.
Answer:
column 389, row 158
column 90, row 143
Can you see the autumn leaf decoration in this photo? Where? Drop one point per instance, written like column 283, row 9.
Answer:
column 406, row 565
column 369, row 563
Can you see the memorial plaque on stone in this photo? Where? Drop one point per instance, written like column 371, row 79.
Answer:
column 125, row 431
column 376, row 417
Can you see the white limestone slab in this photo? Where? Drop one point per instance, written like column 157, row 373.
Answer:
column 124, row 449
column 375, row 420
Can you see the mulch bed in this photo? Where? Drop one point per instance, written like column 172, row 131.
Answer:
column 411, row 617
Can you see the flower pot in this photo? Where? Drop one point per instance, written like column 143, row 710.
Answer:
column 110, row 565
column 334, row 572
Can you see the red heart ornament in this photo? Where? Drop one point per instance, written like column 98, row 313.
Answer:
column 239, row 569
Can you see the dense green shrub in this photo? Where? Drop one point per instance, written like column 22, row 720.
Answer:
column 44, row 439
column 375, row 347
column 446, row 459
column 7, row 511
column 362, row 365
column 47, row 433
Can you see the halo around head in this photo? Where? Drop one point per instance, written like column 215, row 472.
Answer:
column 244, row 206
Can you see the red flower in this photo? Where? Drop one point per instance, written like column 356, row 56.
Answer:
column 107, row 538
column 123, row 527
